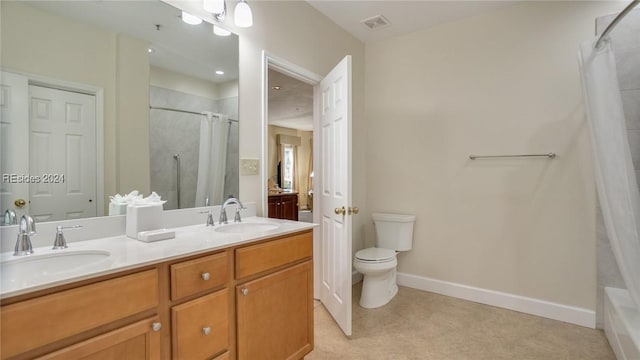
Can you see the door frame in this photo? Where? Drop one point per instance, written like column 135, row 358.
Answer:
column 98, row 92
column 309, row 77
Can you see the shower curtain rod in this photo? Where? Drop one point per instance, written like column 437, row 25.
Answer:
column 615, row 22
column 186, row 111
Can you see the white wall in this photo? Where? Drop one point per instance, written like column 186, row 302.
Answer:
column 296, row 32
column 501, row 83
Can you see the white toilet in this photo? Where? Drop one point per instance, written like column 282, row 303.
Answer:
column 394, row 232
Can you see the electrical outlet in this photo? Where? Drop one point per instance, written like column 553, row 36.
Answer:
column 249, row 166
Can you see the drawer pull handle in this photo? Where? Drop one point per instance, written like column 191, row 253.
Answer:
column 206, row 330
column 245, row 291
column 206, row 276
column 156, row 326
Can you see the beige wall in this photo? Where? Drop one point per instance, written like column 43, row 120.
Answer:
column 304, row 152
column 172, row 80
column 502, row 83
column 132, row 87
column 296, row 32
column 39, row 43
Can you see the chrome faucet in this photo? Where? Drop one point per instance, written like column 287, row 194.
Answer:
column 223, row 212
column 60, row 242
column 10, row 217
column 26, row 229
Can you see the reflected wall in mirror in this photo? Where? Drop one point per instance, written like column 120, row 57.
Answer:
column 104, row 97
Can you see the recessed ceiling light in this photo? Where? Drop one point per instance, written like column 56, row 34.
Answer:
column 219, row 72
column 190, row 19
column 150, row 50
column 276, row 87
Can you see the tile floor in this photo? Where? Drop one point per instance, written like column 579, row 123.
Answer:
column 426, row 326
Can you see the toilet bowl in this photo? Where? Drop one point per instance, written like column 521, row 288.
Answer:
column 378, row 264
column 379, row 276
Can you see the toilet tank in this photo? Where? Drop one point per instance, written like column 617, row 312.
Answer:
column 394, row 231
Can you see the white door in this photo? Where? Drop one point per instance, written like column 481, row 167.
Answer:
column 335, row 191
column 62, row 139
column 14, row 148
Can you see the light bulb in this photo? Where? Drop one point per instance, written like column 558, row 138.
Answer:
column 213, row 6
column 219, row 72
column 242, row 15
column 220, row 31
column 190, row 19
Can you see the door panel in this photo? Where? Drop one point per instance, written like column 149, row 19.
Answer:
column 14, row 127
column 335, row 122
column 63, row 153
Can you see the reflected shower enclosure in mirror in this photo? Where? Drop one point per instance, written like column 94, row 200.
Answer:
column 106, row 97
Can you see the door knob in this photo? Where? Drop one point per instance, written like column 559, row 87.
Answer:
column 354, row 210
column 20, row 203
column 341, row 210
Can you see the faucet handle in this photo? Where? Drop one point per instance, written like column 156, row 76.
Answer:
column 238, row 218
column 209, row 217
column 60, row 242
column 223, row 216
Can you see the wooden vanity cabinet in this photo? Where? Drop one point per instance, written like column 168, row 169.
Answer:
column 274, row 306
column 283, row 206
column 32, row 326
column 250, row 301
column 200, row 326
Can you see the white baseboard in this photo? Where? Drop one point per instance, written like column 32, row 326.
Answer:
column 547, row 309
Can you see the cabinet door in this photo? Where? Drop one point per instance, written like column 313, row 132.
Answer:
column 275, row 315
column 272, row 206
column 289, row 207
column 135, row 342
column 201, row 327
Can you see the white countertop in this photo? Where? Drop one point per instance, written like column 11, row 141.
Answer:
column 127, row 253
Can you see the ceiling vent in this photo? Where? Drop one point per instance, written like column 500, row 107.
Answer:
column 376, row 22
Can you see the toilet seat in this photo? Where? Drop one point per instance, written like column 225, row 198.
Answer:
column 376, row 255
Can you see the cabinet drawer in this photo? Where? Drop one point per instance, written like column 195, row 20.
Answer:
column 255, row 259
column 201, row 327
column 194, row 276
column 33, row 323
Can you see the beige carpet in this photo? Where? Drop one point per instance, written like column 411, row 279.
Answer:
column 423, row 325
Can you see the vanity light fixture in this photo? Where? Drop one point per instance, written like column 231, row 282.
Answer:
column 220, row 31
column 219, row 72
column 243, row 17
column 190, row 19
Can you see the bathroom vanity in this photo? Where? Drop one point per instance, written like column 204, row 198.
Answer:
column 226, row 297
column 283, row 206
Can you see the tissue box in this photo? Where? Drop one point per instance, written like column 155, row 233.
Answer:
column 143, row 218
column 117, row 209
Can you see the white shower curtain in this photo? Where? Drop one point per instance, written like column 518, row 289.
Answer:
column 212, row 159
column 615, row 177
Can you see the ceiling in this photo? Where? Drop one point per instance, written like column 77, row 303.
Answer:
column 404, row 16
column 188, row 49
column 292, row 105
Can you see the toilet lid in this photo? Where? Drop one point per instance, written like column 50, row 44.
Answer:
column 375, row 254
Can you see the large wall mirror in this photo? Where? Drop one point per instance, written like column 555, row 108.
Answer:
column 105, row 97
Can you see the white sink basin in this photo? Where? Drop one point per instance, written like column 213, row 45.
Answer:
column 36, row 268
column 247, row 228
